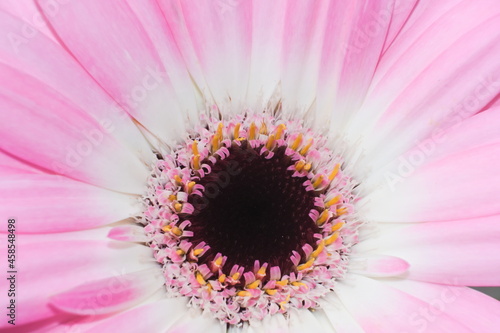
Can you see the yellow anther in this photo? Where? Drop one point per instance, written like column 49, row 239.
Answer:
column 244, row 293
column 218, row 262
column 200, row 279
column 305, row 149
column 297, row 142
column 299, row 284
column 215, row 142
column 319, row 249
column 262, row 271
column 334, row 172
column 254, row 284
column 196, row 162
column 299, row 165
column 177, row 207
column 279, row 131
column 318, row 181
column 197, row 252
column 172, row 197
column 337, row 226
column 333, row 201
column 282, row 304
column 236, row 132
column 282, row 283
column 190, row 187
column 252, row 131
column 271, row 292
column 219, row 130
column 180, row 252
column 166, row 228
column 263, row 129
column 194, row 147
column 176, row 231
column 270, row 141
column 222, row 278
column 342, row 210
column 323, row 217
column 330, row 240
column 307, row 167
column 178, row 179
column 306, row 265
column 236, row 276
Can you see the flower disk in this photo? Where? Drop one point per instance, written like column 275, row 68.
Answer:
column 251, row 217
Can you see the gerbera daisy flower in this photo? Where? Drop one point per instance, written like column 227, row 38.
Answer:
column 250, row 166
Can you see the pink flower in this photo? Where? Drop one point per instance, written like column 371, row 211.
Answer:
column 250, row 166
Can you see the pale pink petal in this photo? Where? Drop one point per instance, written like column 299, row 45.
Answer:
column 110, row 294
column 153, row 317
column 452, row 49
column 355, row 34
column 463, row 135
column 459, row 186
column 268, row 25
column 340, row 318
column 48, row 62
column 128, row 233
column 458, row 253
column 275, row 323
column 49, row 268
column 304, row 320
column 378, row 265
column 380, row 308
column 48, row 130
column 195, row 321
column 123, row 59
column 475, row 310
column 51, row 203
column 217, row 51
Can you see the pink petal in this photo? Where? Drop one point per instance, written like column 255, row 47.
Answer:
column 50, row 203
column 120, row 41
column 29, row 13
column 459, row 186
column 128, row 233
column 452, row 48
column 110, row 294
column 380, row 308
column 49, row 131
column 49, row 268
column 378, row 265
column 48, row 62
column 217, row 51
column 11, row 166
column 153, row 317
column 475, row 310
column 355, row 34
column 458, row 253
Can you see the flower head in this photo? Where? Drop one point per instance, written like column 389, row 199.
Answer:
column 250, row 166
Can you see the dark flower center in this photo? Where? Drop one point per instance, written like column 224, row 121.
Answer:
column 253, row 209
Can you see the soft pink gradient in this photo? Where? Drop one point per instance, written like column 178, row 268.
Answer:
column 76, row 148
